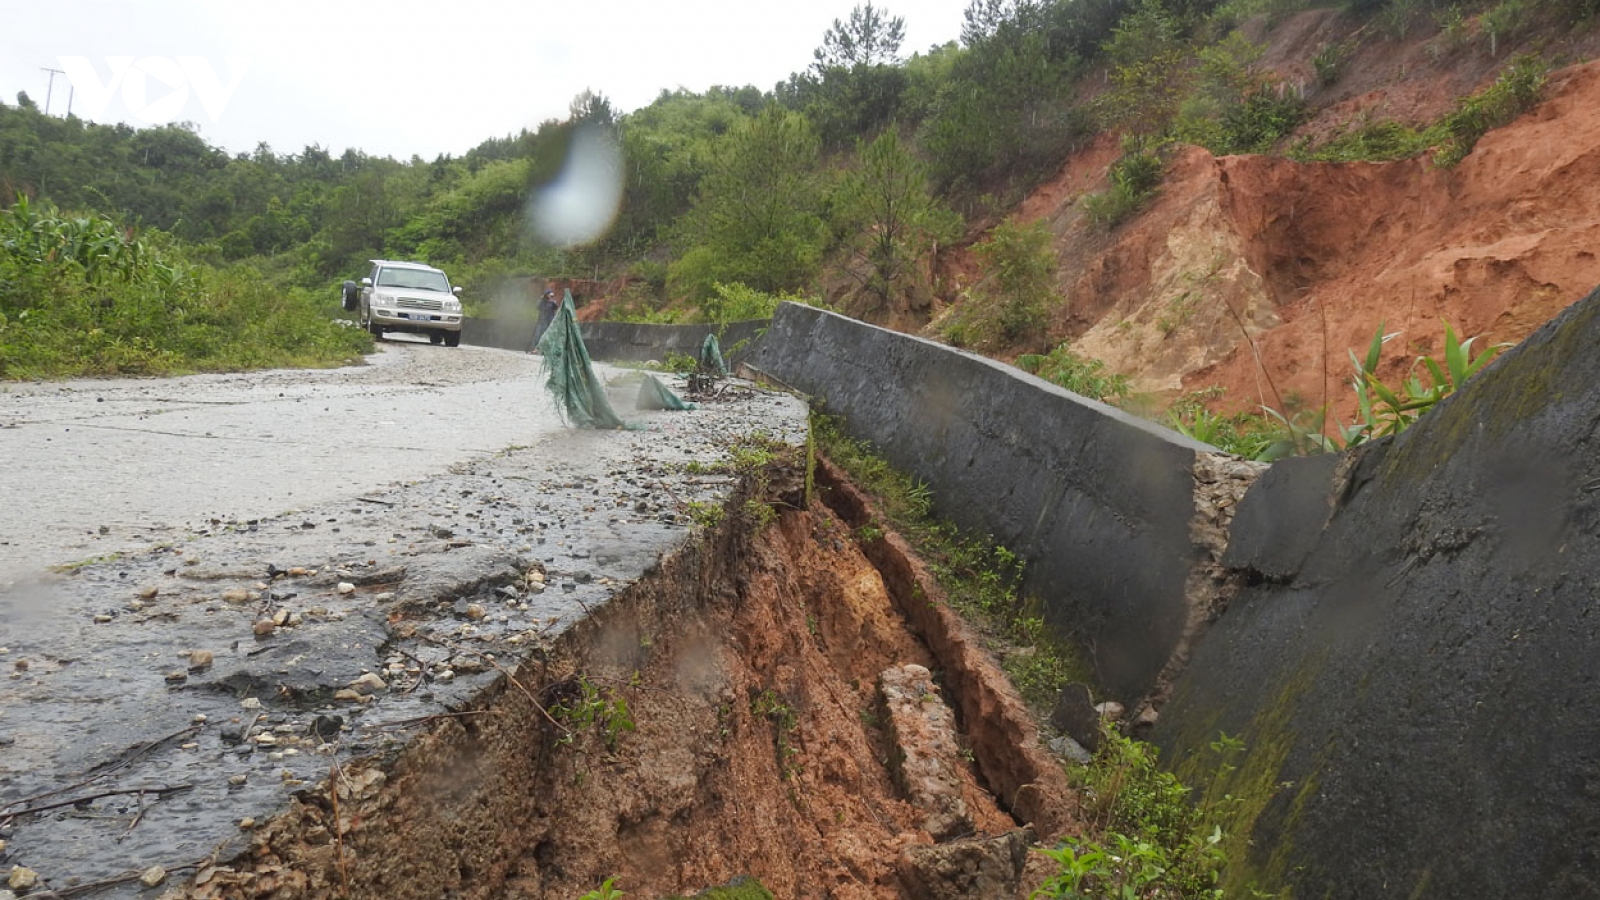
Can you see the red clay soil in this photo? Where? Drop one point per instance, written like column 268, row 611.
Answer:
column 1308, row 260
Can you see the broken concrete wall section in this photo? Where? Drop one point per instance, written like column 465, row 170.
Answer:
column 1413, row 674
column 1097, row 502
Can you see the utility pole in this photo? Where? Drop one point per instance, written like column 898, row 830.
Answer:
column 50, row 87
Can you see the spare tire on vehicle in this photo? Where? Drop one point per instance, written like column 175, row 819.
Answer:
column 352, row 296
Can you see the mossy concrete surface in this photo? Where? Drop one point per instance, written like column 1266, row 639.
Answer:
column 1417, row 682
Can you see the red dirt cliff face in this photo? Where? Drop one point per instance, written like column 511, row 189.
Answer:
column 1308, row 260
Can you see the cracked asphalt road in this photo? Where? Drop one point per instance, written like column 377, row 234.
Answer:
column 119, row 751
column 99, row 467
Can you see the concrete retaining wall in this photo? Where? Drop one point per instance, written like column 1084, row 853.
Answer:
column 1416, row 674
column 622, row 341
column 1097, row 502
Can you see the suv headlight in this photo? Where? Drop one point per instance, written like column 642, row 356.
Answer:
column 452, row 306
column 385, row 299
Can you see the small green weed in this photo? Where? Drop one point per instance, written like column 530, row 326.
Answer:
column 606, row 891
column 1079, row 374
column 770, row 706
column 1147, row 839
column 1135, row 178
column 592, row 707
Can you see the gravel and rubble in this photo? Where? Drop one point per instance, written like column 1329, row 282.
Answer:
column 156, row 707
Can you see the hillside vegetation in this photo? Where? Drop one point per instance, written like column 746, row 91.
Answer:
column 1018, row 192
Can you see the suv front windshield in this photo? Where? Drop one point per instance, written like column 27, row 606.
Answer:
column 414, row 279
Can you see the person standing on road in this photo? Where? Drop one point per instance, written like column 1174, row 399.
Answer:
column 547, row 314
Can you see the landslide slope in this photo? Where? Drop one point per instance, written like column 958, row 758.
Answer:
column 1257, row 273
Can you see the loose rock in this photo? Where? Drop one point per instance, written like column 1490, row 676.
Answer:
column 149, row 593
column 152, row 876
column 22, row 878
column 987, row 868
column 200, row 659
column 369, row 682
column 346, row 587
column 236, row 595
column 264, row 627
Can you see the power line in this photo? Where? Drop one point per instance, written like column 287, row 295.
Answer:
column 50, row 88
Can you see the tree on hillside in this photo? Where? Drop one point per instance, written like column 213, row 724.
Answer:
column 755, row 218
column 885, row 202
column 870, row 38
column 855, row 83
column 1148, row 76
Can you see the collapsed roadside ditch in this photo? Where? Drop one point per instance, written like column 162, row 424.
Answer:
column 721, row 717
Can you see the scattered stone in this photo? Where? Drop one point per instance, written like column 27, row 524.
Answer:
column 250, row 703
column 1110, row 709
column 237, row 596
column 326, row 726
column 149, row 593
column 977, row 868
column 237, row 780
column 299, row 571
column 446, row 676
column 201, row 659
column 199, row 718
column 264, row 627
column 467, row 664
column 177, row 677
column 346, row 695
column 1145, row 722
column 369, row 683
column 280, row 618
column 136, row 605
column 20, row 665
column 1075, row 716
column 266, row 739
column 1067, row 748
column 22, row 878
column 346, row 587
column 102, row 619
column 232, row 734
column 152, row 876
column 247, row 823
column 476, row 612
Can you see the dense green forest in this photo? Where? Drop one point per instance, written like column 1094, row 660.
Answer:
column 836, row 185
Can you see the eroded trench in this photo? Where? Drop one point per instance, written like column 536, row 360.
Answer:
column 800, row 708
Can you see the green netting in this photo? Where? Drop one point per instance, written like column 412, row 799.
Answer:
column 580, row 397
column 655, row 395
column 711, row 356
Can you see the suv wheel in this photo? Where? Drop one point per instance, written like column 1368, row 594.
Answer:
column 452, row 338
column 435, row 337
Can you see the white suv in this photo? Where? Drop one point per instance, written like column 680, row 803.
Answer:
column 412, row 297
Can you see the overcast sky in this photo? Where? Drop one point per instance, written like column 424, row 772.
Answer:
column 399, row 78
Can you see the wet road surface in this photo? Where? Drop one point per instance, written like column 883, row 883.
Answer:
column 151, row 702
column 94, row 468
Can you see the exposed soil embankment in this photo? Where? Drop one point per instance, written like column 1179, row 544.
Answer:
column 753, row 742
column 1258, row 273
